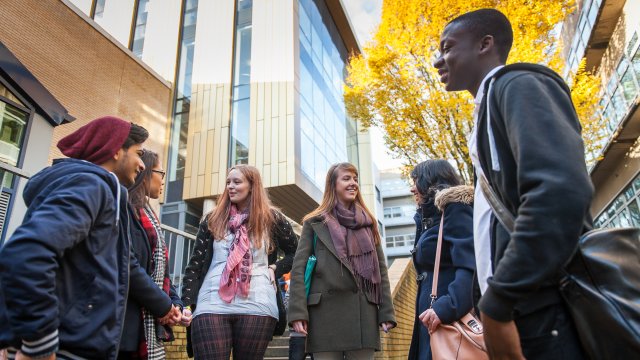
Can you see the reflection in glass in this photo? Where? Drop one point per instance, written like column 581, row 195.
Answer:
column 98, row 10
column 182, row 104
column 240, row 120
column 322, row 69
column 12, row 125
column 139, row 31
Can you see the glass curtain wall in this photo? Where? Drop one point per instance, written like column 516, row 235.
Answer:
column 137, row 42
column 180, row 123
column 325, row 128
column 624, row 210
column 240, row 98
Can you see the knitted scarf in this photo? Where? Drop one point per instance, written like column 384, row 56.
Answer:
column 350, row 231
column 236, row 276
column 151, row 346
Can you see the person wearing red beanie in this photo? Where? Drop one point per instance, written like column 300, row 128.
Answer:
column 103, row 142
column 68, row 270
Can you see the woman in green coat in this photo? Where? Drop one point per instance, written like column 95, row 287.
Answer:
column 350, row 298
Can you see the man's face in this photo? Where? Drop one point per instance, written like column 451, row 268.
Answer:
column 129, row 164
column 458, row 62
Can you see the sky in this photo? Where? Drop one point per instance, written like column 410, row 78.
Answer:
column 365, row 17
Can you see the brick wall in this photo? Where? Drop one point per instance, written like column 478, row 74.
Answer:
column 178, row 348
column 88, row 73
column 402, row 276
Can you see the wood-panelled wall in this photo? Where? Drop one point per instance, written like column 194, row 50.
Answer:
column 208, row 135
column 272, row 107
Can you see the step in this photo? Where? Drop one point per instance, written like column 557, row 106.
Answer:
column 279, row 341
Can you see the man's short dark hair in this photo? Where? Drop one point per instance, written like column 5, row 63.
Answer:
column 488, row 22
column 137, row 135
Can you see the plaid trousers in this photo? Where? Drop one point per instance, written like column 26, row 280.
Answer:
column 214, row 335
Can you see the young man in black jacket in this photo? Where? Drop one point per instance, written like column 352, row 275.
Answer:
column 527, row 143
column 67, row 271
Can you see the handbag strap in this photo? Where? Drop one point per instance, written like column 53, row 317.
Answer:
column 436, row 266
column 315, row 237
column 499, row 210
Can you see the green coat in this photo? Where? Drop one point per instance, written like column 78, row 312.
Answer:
column 339, row 315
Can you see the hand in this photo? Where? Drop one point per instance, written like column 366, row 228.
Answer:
column 502, row 339
column 430, row 320
column 186, row 317
column 272, row 277
column 21, row 356
column 300, row 326
column 387, row 325
column 173, row 317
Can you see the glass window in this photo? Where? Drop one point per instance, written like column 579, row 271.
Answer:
column 321, row 85
column 632, row 42
column 629, row 86
column 634, row 213
column 98, row 10
column 593, row 13
column 139, row 31
column 636, row 63
column 240, row 118
column 619, row 104
column 182, row 103
column 624, row 210
column 306, row 158
column 13, row 122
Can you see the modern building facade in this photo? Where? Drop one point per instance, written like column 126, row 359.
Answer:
column 399, row 207
column 606, row 33
column 253, row 82
column 56, row 64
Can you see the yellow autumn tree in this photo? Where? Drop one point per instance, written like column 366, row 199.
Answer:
column 394, row 86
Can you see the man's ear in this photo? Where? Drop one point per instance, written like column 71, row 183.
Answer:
column 487, row 44
column 119, row 154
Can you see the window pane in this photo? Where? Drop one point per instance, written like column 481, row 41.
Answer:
column 593, row 13
column 636, row 63
column 625, row 219
column 140, row 28
column 12, row 125
column 629, row 86
column 634, row 212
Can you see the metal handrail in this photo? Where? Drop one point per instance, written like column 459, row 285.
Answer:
column 180, row 245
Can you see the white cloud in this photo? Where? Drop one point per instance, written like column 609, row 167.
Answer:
column 365, row 17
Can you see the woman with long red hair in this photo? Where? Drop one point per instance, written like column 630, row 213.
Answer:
column 349, row 298
column 229, row 283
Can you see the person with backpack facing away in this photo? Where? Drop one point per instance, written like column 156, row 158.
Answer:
column 526, row 142
column 67, row 271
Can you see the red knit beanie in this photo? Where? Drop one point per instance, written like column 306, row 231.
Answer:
column 97, row 141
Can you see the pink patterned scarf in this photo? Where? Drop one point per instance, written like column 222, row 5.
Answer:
column 236, row 276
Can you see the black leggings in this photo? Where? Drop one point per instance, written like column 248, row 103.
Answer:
column 215, row 335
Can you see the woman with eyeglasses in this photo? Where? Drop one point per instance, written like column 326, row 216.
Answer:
column 143, row 335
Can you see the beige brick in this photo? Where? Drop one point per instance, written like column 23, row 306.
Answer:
column 84, row 70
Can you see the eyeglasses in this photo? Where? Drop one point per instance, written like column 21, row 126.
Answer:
column 161, row 172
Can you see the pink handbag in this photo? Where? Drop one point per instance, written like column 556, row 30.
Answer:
column 462, row 339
